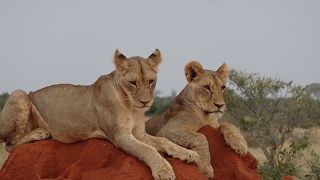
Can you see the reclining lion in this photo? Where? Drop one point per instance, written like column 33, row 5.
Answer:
column 200, row 103
column 111, row 108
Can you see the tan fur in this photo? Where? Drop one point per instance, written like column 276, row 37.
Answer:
column 200, row 103
column 112, row 108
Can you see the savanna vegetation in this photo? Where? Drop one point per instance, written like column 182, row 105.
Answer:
column 3, row 98
column 269, row 110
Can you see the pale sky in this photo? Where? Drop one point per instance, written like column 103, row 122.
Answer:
column 44, row 42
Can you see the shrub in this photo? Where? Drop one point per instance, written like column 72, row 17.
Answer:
column 269, row 109
column 3, row 98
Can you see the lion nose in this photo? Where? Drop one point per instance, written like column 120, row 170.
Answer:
column 220, row 105
column 144, row 102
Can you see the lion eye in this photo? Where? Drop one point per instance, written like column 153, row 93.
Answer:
column 151, row 82
column 223, row 88
column 207, row 88
column 133, row 83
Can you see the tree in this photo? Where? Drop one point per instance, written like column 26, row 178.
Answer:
column 269, row 109
column 314, row 90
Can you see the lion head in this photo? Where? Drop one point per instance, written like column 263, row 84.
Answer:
column 137, row 77
column 206, row 88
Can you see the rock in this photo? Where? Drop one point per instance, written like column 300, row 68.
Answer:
column 99, row 159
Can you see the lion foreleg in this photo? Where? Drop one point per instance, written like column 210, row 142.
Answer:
column 172, row 149
column 234, row 138
column 161, row 169
column 35, row 135
column 195, row 141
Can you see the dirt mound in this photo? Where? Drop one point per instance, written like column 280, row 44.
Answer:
column 99, row 159
column 227, row 164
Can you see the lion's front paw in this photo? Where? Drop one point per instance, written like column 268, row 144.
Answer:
column 234, row 138
column 39, row 134
column 206, row 169
column 163, row 171
column 188, row 155
column 183, row 154
column 239, row 145
column 243, row 148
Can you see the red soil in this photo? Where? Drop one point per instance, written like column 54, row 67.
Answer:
column 288, row 178
column 99, row 159
column 227, row 164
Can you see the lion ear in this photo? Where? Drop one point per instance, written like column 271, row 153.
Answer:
column 193, row 70
column 120, row 61
column 155, row 59
column 223, row 72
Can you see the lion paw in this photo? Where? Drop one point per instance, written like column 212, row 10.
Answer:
column 240, row 146
column 188, row 155
column 34, row 135
column 39, row 134
column 234, row 138
column 163, row 171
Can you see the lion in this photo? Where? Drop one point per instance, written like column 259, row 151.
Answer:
column 111, row 108
column 200, row 103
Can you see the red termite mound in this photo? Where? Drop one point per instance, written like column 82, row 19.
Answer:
column 99, row 159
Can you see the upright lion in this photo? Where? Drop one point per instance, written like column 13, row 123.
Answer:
column 200, row 103
column 111, row 108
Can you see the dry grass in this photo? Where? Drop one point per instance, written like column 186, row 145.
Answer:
column 314, row 141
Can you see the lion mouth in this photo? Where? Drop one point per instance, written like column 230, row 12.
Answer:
column 142, row 107
column 210, row 112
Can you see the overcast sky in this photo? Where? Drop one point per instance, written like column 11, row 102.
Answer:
column 73, row 41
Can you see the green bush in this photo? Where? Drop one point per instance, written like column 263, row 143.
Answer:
column 3, row 98
column 314, row 167
column 160, row 104
column 287, row 160
column 269, row 109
